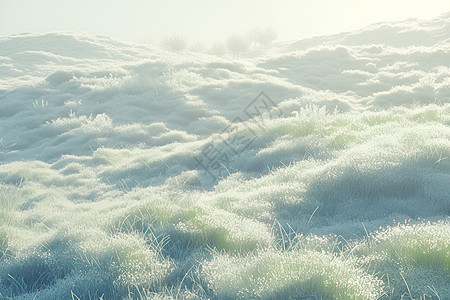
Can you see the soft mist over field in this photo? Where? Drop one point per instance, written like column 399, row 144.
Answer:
column 317, row 169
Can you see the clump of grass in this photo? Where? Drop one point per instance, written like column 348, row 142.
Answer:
column 226, row 230
column 270, row 274
column 410, row 258
column 424, row 244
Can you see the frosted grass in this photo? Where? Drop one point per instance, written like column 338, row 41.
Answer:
column 344, row 196
column 225, row 239
column 293, row 274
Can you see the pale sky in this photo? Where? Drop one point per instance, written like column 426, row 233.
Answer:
column 208, row 21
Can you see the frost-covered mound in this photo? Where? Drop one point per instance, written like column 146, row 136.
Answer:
column 314, row 170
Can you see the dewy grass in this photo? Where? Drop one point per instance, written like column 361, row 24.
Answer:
column 11, row 197
column 420, row 245
column 272, row 274
column 411, row 259
column 101, row 196
column 228, row 231
column 128, row 241
column 7, row 203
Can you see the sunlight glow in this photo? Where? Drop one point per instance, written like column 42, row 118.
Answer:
column 203, row 20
